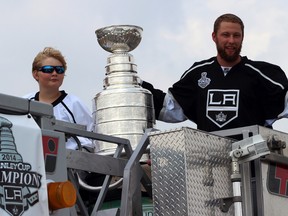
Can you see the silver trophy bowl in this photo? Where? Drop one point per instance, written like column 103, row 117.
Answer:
column 119, row 38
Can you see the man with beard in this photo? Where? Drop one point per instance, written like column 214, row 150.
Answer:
column 226, row 91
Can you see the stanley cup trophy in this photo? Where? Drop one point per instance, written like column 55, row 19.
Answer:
column 123, row 109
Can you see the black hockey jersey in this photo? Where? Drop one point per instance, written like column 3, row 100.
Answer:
column 249, row 94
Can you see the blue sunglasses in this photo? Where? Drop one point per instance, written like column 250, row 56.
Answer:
column 50, row 69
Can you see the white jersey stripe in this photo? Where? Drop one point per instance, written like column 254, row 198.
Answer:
column 263, row 75
column 200, row 65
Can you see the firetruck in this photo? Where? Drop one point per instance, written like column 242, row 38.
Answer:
column 192, row 172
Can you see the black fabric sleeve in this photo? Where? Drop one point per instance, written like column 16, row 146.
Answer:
column 273, row 94
column 158, row 97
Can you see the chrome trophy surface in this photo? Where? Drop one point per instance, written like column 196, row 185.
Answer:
column 119, row 38
column 123, row 109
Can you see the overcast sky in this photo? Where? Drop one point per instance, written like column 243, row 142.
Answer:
column 175, row 34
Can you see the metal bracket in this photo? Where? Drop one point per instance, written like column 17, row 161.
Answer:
column 225, row 203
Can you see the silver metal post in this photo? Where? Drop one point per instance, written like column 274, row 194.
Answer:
column 236, row 184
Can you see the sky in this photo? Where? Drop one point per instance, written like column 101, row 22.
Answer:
column 175, row 35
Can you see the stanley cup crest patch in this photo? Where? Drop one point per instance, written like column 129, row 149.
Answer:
column 204, row 81
column 222, row 106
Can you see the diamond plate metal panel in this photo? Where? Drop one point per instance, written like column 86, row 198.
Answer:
column 190, row 172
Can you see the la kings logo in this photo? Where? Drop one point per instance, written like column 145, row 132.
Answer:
column 16, row 176
column 222, row 106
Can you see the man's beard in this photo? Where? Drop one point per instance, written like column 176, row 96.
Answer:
column 229, row 58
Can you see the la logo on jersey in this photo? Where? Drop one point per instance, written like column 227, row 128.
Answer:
column 222, row 106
